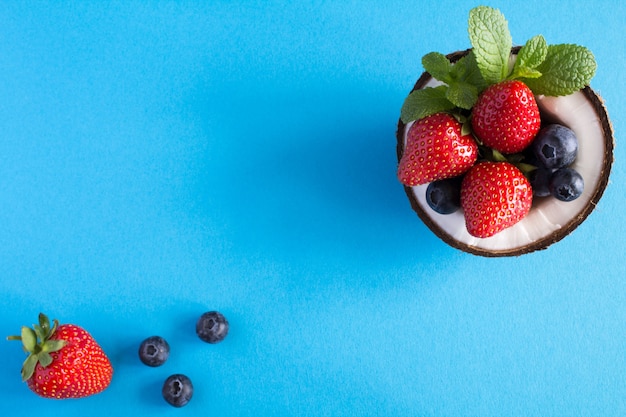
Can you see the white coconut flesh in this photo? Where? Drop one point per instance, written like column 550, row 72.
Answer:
column 548, row 215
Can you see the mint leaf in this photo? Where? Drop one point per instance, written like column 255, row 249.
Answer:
column 437, row 65
column 465, row 82
column 462, row 94
column 525, row 73
column 566, row 69
column 466, row 70
column 424, row 102
column 491, row 41
column 532, row 54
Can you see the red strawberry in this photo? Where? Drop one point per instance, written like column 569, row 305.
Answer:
column 64, row 361
column 506, row 117
column 436, row 149
column 494, row 196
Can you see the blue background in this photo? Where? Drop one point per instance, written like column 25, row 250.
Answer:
column 162, row 159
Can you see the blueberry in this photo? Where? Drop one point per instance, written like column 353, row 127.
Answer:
column 444, row 196
column 540, row 181
column 177, row 390
column 555, row 146
column 154, row 351
column 566, row 184
column 212, row 327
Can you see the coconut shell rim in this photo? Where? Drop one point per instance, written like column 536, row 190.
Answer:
column 543, row 243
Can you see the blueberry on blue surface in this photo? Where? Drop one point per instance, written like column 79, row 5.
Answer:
column 566, row 184
column 540, row 181
column 154, row 351
column 177, row 390
column 444, row 196
column 212, row 327
column 555, row 146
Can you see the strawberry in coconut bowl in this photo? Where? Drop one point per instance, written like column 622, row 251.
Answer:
column 504, row 150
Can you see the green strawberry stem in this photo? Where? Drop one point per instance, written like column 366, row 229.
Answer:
column 517, row 159
column 37, row 344
column 525, row 168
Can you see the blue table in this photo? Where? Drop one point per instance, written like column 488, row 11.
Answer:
column 162, row 159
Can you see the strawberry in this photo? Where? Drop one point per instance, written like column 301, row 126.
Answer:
column 506, row 117
column 494, row 196
column 436, row 149
column 63, row 361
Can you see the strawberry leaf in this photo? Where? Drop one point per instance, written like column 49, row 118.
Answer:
column 55, row 324
column 491, row 41
column 53, row 345
column 44, row 323
column 497, row 156
column 525, row 168
column 466, row 128
column 28, row 368
column 41, row 333
column 45, row 359
column 424, row 102
column 29, row 339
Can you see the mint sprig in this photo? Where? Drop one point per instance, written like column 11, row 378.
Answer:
column 491, row 41
column 466, row 82
column 552, row 70
column 567, row 68
column 462, row 80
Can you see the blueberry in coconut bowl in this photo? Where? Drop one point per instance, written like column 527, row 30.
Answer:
column 555, row 146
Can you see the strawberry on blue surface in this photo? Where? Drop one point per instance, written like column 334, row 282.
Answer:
column 64, row 361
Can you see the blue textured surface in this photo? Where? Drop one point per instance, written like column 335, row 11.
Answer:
column 162, row 159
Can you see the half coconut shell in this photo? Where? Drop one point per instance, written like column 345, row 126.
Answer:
column 549, row 220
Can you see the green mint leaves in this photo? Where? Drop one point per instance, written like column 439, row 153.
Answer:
column 491, row 41
column 437, row 65
column 530, row 57
column 462, row 84
column 566, row 69
column 552, row 70
column 465, row 82
column 463, row 79
column 424, row 102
